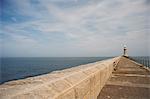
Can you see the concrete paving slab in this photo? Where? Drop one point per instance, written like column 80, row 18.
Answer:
column 129, row 81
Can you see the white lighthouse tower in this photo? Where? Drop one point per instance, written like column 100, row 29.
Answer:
column 125, row 51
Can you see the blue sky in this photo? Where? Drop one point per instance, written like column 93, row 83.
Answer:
column 66, row 28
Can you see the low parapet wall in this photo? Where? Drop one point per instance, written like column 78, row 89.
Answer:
column 81, row 82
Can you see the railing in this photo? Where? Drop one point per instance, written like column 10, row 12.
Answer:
column 145, row 60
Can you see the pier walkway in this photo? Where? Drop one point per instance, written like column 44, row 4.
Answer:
column 129, row 81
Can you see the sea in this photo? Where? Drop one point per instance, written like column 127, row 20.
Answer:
column 13, row 68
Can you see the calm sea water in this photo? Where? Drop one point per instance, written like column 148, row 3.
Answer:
column 17, row 68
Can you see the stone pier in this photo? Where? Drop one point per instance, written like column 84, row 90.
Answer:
column 116, row 78
column 130, row 81
column 81, row 82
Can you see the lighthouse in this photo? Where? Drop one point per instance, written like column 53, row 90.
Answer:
column 125, row 51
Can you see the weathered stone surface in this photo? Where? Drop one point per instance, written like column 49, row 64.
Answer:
column 82, row 89
column 70, row 94
column 87, row 96
column 81, row 82
column 76, row 78
column 129, row 81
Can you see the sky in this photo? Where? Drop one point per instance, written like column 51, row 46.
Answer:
column 74, row 28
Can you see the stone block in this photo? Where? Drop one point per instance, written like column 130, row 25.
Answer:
column 87, row 96
column 76, row 78
column 60, row 85
column 70, row 94
column 82, row 88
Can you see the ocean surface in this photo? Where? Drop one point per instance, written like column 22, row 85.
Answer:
column 22, row 67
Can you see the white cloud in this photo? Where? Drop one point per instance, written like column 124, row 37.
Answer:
column 94, row 28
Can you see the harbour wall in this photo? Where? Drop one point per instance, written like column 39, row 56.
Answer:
column 81, row 82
